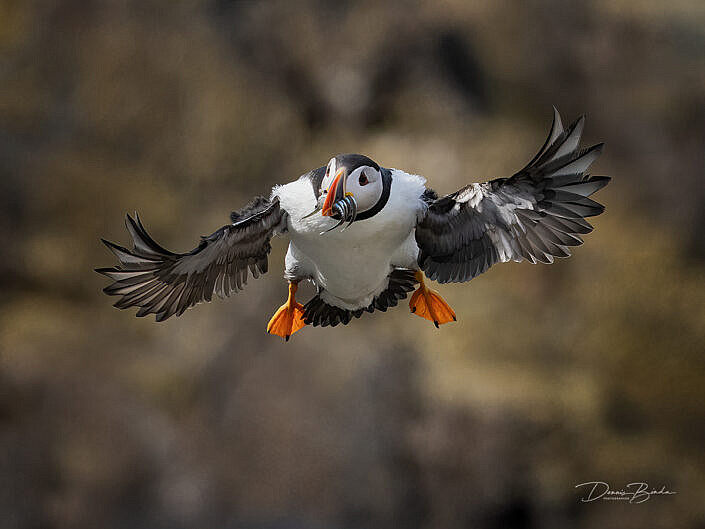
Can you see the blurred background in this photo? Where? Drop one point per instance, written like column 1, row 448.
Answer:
column 589, row 369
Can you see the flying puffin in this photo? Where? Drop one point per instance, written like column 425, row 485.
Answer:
column 366, row 236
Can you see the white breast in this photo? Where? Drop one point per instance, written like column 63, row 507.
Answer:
column 352, row 266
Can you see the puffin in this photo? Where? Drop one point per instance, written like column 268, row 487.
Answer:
column 367, row 236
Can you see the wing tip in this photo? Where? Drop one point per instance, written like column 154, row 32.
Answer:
column 556, row 119
column 598, row 147
column 113, row 247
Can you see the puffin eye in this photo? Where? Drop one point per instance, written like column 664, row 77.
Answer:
column 363, row 179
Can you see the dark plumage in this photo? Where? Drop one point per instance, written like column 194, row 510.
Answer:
column 536, row 215
column 166, row 283
column 318, row 312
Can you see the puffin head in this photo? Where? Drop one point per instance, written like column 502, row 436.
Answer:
column 354, row 188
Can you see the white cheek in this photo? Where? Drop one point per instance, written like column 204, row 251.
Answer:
column 367, row 196
column 326, row 183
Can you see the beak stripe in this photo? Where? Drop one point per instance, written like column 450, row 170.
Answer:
column 330, row 197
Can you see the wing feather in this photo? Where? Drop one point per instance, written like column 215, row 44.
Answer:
column 535, row 215
column 165, row 283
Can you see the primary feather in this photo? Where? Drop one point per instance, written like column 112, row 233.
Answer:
column 536, row 214
column 165, row 283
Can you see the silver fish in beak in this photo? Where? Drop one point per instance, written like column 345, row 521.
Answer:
column 339, row 204
column 344, row 210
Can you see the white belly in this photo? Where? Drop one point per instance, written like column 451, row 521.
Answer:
column 353, row 266
column 351, row 272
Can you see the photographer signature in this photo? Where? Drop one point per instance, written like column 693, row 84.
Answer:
column 637, row 492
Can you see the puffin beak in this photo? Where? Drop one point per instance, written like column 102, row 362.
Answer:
column 332, row 192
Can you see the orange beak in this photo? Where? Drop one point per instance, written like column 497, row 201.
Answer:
column 330, row 197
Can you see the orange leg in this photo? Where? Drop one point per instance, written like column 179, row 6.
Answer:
column 429, row 304
column 289, row 318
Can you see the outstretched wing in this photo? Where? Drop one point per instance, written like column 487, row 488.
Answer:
column 166, row 283
column 536, row 215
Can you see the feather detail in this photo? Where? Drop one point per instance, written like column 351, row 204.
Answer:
column 165, row 283
column 535, row 215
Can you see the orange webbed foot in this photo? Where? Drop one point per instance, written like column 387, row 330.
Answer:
column 430, row 305
column 289, row 318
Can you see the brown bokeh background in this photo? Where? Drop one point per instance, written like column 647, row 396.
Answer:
column 590, row 369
